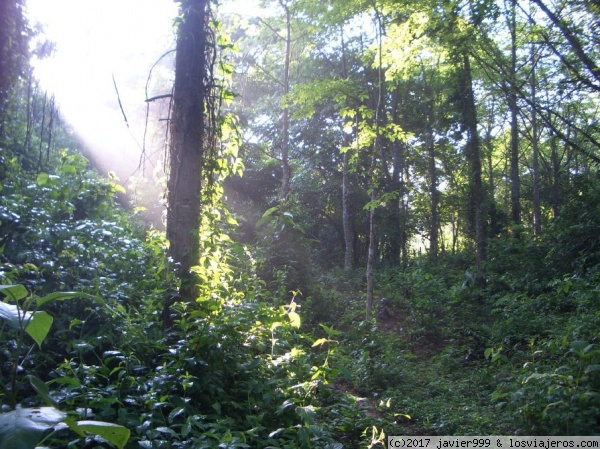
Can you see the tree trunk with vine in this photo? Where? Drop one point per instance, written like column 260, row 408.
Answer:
column 187, row 147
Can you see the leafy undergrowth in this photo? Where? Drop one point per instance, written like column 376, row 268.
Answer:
column 97, row 368
column 444, row 357
column 252, row 365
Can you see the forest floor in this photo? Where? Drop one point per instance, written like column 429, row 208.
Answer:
column 416, row 372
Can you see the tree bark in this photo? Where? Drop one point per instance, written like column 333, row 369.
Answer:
column 42, row 124
column 29, row 113
column 515, row 186
column 477, row 212
column 433, row 176
column 371, row 255
column 346, row 212
column 285, row 144
column 347, row 217
column 537, row 210
column 376, row 148
column 555, row 161
column 187, row 146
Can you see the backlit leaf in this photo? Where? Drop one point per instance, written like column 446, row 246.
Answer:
column 113, row 433
column 14, row 292
column 23, row 428
column 39, row 326
column 294, row 319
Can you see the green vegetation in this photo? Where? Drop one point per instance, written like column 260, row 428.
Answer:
column 467, row 334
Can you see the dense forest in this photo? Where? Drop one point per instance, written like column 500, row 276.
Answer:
column 382, row 218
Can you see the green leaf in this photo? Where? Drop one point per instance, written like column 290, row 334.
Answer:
column 13, row 315
column 61, row 296
column 319, row 342
column 43, row 180
column 39, row 326
column 307, row 413
column 14, row 292
column 578, row 346
column 267, row 216
column 42, row 389
column 331, row 332
column 294, row 319
column 113, row 433
column 66, row 380
column 23, row 428
column 75, row 322
column 404, row 415
column 68, row 169
column 287, row 404
column 118, row 188
column 592, row 369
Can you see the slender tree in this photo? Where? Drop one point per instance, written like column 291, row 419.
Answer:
column 188, row 130
column 537, row 208
column 377, row 143
column 285, row 138
column 515, row 180
column 473, row 156
column 347, row 224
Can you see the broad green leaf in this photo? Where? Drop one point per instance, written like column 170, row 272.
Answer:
column 75, row 322
column 176, row 412
column 39, row 326
column 319, row 342
column 331, row 332
column 61, row 296
column 287, row 404
column 69, row 169
column 267, row 216
column 11, row 313
column 42, row 389
column 578, row 346
column 307, row 413
column 294, row 319
column 166, row 430
column 592, row 369
column 14, row 292
column 23, row 428
column 43, row 180
column 66, row 380
column 113, row 433
column 118, row 188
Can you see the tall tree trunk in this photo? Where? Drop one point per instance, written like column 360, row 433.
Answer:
column 187, row 147
column 347, row 217
column 477, row 212
column 433, row 177
column 435, row 199
column 285, row 144
column 555, row 161
column 346, row 211
column 42, row 124
column 537, row 210
column 53, row 113
column 398, row 165
column 515, row 186
column 376, row 150
column 371, row 257
column 29, row 112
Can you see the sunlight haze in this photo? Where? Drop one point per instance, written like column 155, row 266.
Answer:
column 94, row 42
